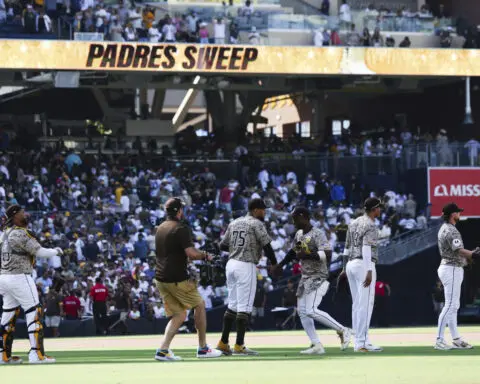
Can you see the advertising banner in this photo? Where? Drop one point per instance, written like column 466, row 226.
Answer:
column 460, row 185
column 235, row 59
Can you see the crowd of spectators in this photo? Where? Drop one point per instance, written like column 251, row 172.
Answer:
column 103, row 210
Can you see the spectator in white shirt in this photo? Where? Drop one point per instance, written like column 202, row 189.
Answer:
column 332, row 216
column 134, row 313
column 367, row 147
column 159, row 311
column 169, row 31
column 318, row 37
column 116, row 30
column 264, row 178
column 154, row 34
column 85, row 4
column 124, row 202
column 248, row 9
column 473, row 146
column 384, row 234
column 422, row 221
column 310, row 184
column 292, row 176
column 219, row 31
column 135, row 17
column 408, row 223
column 130, row 34
column 262, row 266
column 345, row 14
column 254, row 36
column 192, row 21
column 143, row 284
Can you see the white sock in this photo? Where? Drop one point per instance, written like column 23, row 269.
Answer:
column 309, row 327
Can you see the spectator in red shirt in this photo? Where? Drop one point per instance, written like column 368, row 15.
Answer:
column 382, row 295
column 99, row 294
column 72, row 307
column 225, row 199
column 296, row 270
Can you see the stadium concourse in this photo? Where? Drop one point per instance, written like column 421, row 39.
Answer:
column 352, row 23
column 103, row 213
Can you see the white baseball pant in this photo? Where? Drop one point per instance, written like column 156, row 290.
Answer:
column 451, row 278
column 241, row 285
column 18, row 290
column 307, row 307
column 362, row 300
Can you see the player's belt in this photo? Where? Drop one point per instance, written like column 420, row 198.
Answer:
column 374, row 261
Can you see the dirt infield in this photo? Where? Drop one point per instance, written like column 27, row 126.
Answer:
column 398, row 337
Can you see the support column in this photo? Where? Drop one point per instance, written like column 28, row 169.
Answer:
column 468, row 106
column 215, row 108
column 318, row 127
column 230, row 116
column 144, row 108
column 158, row 101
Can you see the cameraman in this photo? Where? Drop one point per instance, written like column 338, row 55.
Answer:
column 178, row 288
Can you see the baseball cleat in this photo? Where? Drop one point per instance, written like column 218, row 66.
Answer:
column 11, row 361
column 361, row 350
column 166, row 355
column 460, row 344
column 208, row 353
column 316, row 349
column 345, row 338
column 373, row 348
column 441, row 345
column 242, row 350
column 34, row 358
column 224, row 348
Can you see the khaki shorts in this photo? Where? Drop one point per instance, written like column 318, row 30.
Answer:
column 178, row 297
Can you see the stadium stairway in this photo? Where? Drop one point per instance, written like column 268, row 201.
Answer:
column 408, row 246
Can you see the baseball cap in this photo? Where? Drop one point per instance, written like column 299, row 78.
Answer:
column 372, row 203
column 451, row 208
column 256, row 204
column 301, row 211
column 12, row 211
column 173, row 205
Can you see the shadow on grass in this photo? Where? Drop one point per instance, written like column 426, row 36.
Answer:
column 266, row 354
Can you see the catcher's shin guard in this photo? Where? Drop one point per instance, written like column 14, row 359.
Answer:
column 34, row 318
column 7, row 332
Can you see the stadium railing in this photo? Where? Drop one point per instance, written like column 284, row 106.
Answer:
column 409, row 244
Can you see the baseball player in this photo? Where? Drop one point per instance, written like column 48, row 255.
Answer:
column 313, row 250
column 244, row 240
column 19, row 249
column 454, row 258
column 361, row 251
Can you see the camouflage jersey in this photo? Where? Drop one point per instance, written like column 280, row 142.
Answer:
column 314, row 272
column 362, row 231
column 449, row 243
column 18, row 250
column 245, row 238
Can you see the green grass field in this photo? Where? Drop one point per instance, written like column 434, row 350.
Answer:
column 105, row 361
